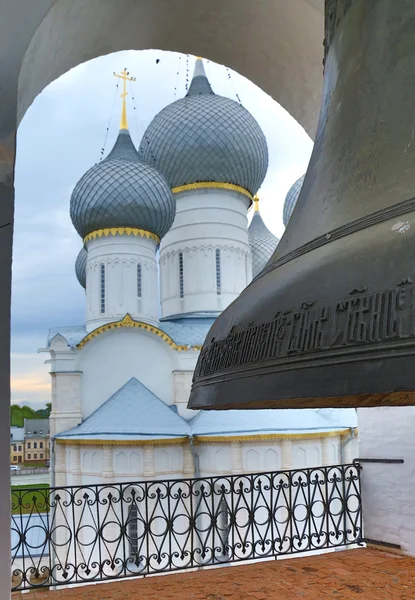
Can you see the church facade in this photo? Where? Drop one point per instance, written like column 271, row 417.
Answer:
column 165, row 248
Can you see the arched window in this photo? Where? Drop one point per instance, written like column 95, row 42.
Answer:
column 139, row 281
column 181, row 278
column 218, row 273
column 102, row 288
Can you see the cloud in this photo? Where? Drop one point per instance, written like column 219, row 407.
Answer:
column 30, row 380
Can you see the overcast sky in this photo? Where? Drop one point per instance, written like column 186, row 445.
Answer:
column 60, row 137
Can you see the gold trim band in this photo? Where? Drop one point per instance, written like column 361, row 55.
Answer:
column 206, row 439
column 90, row 442
column 127, row 321
column 269, row 436
column 99, row 233
column 212, row 185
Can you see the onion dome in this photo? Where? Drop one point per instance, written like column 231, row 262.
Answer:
column 291, row 200
column 261, row 241
column 80, row 267
column 122, row 191
column 206, row 138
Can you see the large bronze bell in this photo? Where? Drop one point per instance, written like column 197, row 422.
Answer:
column 331, row 319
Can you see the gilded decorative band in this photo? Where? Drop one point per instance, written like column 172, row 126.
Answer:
column 99, row 233
column 128, row 322
column 212, row 185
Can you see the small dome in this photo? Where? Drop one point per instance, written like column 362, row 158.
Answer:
column 291, row 200
column 206, row 138
column 122, row 191
column 80, row 266
column 261, row 241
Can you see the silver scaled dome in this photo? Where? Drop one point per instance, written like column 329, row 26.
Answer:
column 122, row 191
column 291, row 200
column 80, row 267
column 206, row 138
column 261, row 241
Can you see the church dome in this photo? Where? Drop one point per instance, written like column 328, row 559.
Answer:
column 261, row 241
column 80, row 266
column 122, row 191
column 291, row 200
column 206, row 138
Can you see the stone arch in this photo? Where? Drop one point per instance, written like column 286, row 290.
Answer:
column 223, row 460
column 285, row 61
column 271, row 458
column 252, row 460
column 121, row 463
column 300, row 458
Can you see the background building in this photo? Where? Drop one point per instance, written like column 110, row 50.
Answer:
column 17, row 444
column 36, row 440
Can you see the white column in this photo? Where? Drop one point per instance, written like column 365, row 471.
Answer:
column 188, row 461
column 76, row 465
column 66, row 400
column 108, row 463
column 236, row 451
column 60, row 465
column 120, row 255
column 148, row 462
column 206, row 220
column 286, row 454
column 326, row 455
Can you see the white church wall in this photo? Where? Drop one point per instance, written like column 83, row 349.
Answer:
column 113, row 358
column 206, row 220
column 388, row 489
column 182, row 384
column 120, row 254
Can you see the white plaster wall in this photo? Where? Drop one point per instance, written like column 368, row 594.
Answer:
column 182, row 384
column 388, row 490
column 120, row 254
column 114, row 357
column 127, row 463
column 66, row 402
column 205, row 220
column 216, row 458
column 65, row 388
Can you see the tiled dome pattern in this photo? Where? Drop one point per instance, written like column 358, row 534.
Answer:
column 122, row 191
column 80, row 267
column 262, row 243
column 291, row 200
column 204, row 137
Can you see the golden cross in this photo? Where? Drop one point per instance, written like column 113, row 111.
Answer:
column 125, row 77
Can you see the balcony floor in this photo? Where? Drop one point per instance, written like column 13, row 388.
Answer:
column 361, row 573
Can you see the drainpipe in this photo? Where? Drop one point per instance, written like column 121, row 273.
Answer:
column 196, row 487
column 52, row 545
column 194, row 455
column 52, row 462
column 346, row 443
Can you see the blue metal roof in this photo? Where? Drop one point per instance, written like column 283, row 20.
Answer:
column 254, row 422
column 188, row 332
column 132, row 411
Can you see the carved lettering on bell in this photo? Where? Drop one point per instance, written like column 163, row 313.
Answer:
column 364, row 318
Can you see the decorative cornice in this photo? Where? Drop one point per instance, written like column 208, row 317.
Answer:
column 269, row 436
column 91, row 442
column 212, row 185
column 99, row 233
column 201, row 439
column 128, row 322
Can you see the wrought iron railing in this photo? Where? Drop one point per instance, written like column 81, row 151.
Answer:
column 73, row 535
